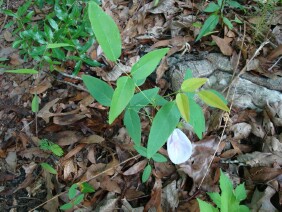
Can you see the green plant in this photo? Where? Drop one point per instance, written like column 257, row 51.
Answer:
column 48, row 145
column 217, row 15
column 75, row 196
column 124, row 98
column 265, row 12
column 62, row 31
column 229, row 199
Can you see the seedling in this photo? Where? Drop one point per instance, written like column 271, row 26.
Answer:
column 228, row 200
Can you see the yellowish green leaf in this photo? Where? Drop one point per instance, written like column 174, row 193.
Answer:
column 183, row 106
column 190, row 85
column 212, row 99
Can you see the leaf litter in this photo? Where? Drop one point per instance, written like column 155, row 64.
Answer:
column 251, row 145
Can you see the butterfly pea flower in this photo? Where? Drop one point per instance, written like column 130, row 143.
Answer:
column 179, row 147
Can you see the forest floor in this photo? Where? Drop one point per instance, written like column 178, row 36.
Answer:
column 246, row 144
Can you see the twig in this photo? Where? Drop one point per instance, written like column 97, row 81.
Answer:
column 97, row 175
column 275, row 64
column 74, row 85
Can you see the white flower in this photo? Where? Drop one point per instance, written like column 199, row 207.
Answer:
column 179, row 147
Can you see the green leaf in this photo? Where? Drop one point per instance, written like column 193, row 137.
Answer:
column 141, row 150
column 86, row 188
column 212, row 99
column 190, row 85
column 243, row 208
column 121, row 97
column 183, row 106
column 133, row 125
column 73, row 191
column 106, row 31
column 57, row 45
column 59, row 54
column 57, row 150
column 59, row 12
column 160, row 101
column 162, row 129
column 228, row 23
column 212, row 7
column 35, row 104
column 10, row 13
column 240, row 192
column 237, row 20
column 48, row 32
column 234, row 4
column 219, row 2
column 143, row 98
column 78, row 199
column 197, row 118
column 2, row 59
column 208, row 26
column 215, row 198
column 219, row 95
column 147, row 64
column 77, row 68
column 17, row 43
column 48, row 168
column 66, row 206
column 188, row 74
column 146, row 173
column 206, row 207
column 22, row 71
column 159, row 158
column 100, row 90
column 226, row 187
column 53, row 24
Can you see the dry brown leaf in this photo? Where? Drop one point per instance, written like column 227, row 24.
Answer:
column 272, row 144
column 68, row 119
column 108, row 204
column 241, row 130
column 136, row 168
column 155, row 200
column 261, row 200
column 8, row 36
column 131, row 194
column 29, row 168
column 223, row 44
column 65, row 138
column 264, row 174
column 274, row 112
column 197, row 165
column 100, row 169
column 92, row 139
column 69, row 168
column 165, row 7
column 74, row 151
column 11, row 160
column 29, row 179
column 256, row 159
column 163, row 169
column 275, row 53
column 53, row 205
column 15, row 59
column 110, row 185
column 126, row 207
column 229, row 153
column 41, row 87
column 170, row 196
column 45, row 111
column 33, row 152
